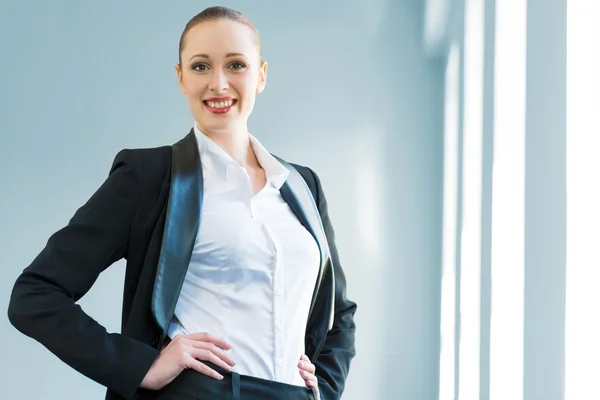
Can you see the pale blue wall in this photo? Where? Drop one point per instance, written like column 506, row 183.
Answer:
column 545, row 201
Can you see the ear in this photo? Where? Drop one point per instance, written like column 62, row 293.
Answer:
column 262, row 79
column 180, row 77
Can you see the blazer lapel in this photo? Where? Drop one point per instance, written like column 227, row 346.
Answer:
column 181, row 227
column 298, row 196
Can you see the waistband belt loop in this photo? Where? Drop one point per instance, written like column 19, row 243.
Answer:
column 235, row 386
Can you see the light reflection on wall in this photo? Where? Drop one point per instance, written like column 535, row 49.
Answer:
column 470, row 270
column 369, row 195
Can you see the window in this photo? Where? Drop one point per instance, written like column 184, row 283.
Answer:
column 470, row 269
column 582, row 333
column 448, row 297
column 508, row 203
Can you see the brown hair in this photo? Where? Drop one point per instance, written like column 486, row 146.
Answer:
column 214, row 14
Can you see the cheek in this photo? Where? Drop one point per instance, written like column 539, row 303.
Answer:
column 247, row 88
column 193, row 90
column 193, row 86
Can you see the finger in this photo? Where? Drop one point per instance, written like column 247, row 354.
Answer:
column 313, row 382
column 205, row 369
column 215, row 350
column 308, row 376
column 305, row 358
column 305, row 375
column 207, row 355
column 207, row 337
column 306, row 366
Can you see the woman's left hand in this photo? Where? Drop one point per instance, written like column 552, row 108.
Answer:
column 307, row 371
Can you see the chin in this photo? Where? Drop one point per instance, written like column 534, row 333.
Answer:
column 215, row 127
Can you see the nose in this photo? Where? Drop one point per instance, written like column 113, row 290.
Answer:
column 218, row 81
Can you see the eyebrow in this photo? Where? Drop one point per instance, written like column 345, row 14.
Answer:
column 226, row 56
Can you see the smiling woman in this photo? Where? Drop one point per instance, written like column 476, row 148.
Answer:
column 251, row 302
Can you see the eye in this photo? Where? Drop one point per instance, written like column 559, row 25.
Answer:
column 237, row 65
column 200, row 67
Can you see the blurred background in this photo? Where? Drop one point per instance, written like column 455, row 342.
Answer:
column 448, row 135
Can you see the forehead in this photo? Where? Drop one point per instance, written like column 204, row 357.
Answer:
column 217, row 38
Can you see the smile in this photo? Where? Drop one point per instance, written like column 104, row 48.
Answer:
column 219, row 107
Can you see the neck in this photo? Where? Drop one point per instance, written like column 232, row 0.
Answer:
column 236, row 143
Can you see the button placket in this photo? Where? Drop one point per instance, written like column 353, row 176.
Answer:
column 279, row 310
column 278, row 304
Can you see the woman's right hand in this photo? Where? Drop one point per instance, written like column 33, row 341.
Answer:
column 183, row 352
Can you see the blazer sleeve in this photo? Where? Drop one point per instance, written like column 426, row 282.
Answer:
column 43, row 300
column 333, row 363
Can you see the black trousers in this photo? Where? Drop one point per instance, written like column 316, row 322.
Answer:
column 192, row 385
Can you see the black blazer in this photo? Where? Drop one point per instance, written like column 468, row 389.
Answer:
column 148, row 212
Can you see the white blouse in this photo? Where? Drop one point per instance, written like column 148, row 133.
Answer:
column 253, row 268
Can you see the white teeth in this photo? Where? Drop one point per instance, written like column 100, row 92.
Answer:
column 220, row 104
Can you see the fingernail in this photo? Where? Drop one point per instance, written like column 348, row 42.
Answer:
column 220, row 376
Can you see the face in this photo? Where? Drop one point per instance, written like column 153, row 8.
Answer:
column 220, row 74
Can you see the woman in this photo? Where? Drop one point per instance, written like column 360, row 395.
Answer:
column 233, row 285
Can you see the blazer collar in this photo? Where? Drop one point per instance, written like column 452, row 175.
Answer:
column 183, row 220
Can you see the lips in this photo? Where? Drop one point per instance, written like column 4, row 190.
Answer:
column 220, row 102
column 219, row 106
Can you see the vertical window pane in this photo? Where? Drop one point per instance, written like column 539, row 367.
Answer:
column 508, row 202
column 448, row 306
column 582, row 333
